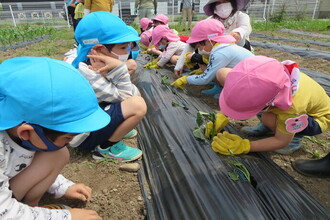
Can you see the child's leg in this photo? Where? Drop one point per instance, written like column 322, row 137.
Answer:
column 174, row 59
column 32, row 183
column 221, row 75
column 133, row 110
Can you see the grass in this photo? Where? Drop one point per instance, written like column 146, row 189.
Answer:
column 306, row 25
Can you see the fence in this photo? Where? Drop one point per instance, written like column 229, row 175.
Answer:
column 53, row 12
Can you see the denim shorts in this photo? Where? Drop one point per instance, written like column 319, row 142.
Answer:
column 100, row 136
column 312, row 129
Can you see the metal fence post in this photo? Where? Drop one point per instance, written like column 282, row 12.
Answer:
column 12, row 15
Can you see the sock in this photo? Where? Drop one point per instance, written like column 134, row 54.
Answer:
column 107, row 144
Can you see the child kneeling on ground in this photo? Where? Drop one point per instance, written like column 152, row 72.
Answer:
column 103, row 49
column 164, row 38
column 292, row 105
column 40, row 114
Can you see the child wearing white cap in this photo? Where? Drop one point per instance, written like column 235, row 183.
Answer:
column 40, row 113
column 103, row 49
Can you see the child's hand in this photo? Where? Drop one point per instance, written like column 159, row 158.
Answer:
column 225, row 143
column 102, row 63
column 79, row 191
column 236, row 35
column 84, row 214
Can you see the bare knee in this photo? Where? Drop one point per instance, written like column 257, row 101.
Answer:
column 134, row 106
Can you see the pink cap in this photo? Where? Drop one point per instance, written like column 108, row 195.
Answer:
column 253, row 84
column 144, row 23
column 208, row 10
column 146, row 37
column 163, row 31
column 162, row 18
column 210, row 29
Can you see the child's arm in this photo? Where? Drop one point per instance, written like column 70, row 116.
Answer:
column 166, row 55
column 279, row 140
column 113, row 86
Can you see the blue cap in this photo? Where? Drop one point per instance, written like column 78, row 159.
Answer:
column 100, row 27
column 49, row 93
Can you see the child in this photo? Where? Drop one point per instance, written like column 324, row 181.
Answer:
column 236, row 23
column 160, row 19
column 164, row 38
column 134, row 50
column 145, row 24
column 292, row 105
column 105, row 37
column 40, row 114
column 208, row 36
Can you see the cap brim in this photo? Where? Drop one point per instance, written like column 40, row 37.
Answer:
column 224, row 39
column 92, row 122
column 232, row 113
column 207, row 7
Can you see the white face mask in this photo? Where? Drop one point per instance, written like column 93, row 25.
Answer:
column 122, row 58
column 203, row 52
column 162, row 46
column 223, row 10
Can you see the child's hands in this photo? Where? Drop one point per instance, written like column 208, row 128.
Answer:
column 79, row 191
column 236, row 35
column 225, row 142
column 84, row 214
column 102, row 63
column 181, row 82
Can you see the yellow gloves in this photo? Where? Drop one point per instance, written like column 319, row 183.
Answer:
column 220, row 122
column 211, row 129
column 224, row 143
column 155, row 61
column 196, row 72
column 155, row 66
column 181, row 82
column 143, row 52
column 187, row 61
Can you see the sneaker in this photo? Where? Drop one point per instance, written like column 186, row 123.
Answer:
column 55, row 206
column 294, row 145
column 131, row 134
column 119, row 151
column 256, row 131
column 216, row 89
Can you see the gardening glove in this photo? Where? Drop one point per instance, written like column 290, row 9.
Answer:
column 154, row 66
column 181, row 82
column 196, row 72
column 224, row 143
column 208, row 129
column 187, row 61
column 151, row 63
column 220, row 122
column 143, row 52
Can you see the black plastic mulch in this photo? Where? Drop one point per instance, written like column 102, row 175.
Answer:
column 183, row 178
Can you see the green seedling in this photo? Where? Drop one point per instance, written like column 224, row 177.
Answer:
column 240, row 169
column 314, row 153
column 315, row 140
column 199, row 134
column 165, row 82
column 203, row 116
column 176, row 104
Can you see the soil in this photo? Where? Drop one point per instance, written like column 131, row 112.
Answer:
column 117, row 195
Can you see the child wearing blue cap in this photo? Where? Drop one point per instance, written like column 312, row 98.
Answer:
column 40, row 113
column 103, row 49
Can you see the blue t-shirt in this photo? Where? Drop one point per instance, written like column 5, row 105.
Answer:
column 224, row 55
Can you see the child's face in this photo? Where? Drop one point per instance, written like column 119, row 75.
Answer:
column 205, row 45
column 156, row 23
column 163, row 41
column 120, row 49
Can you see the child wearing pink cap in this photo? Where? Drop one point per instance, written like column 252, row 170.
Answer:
column 236, row 23
column 208, row 36
column 145, row 24
column 292, row 105
column 164, row 38
column 160, row 19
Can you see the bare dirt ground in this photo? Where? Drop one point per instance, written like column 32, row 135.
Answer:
column 117, row 195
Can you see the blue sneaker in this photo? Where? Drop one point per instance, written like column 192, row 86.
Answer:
column 131, row 134
column 294, row 145
column 256, row 131
column 119, row 151
column 216, row 89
